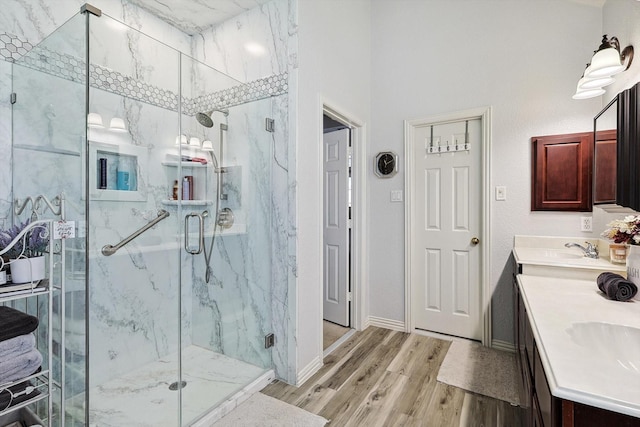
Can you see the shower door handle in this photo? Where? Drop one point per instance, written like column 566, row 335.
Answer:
column 200, row 233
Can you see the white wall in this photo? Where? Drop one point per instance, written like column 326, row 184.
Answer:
column 523, row 58
column 621, row 18
column 334, row 58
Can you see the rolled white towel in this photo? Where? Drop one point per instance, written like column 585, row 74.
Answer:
column 16, row 346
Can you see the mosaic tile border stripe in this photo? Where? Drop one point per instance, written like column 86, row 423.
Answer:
column 68, row 67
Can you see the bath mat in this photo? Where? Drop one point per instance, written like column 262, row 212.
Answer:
column 265, row 411
column 470, row 366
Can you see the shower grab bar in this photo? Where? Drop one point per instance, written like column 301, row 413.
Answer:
column 200, row 217
column 109, row 250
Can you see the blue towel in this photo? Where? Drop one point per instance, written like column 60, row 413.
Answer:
column 20, row 366
column 17, row 346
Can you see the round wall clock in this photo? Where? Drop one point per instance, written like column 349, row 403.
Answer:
column 386, row 164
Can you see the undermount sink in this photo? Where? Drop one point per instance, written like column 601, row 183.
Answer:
column 610, row 344
column 550, row 254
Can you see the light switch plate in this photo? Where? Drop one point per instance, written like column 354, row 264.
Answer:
column 396, row 195
column 501, row 192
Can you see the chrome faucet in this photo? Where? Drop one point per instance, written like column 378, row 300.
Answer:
column 590, row 251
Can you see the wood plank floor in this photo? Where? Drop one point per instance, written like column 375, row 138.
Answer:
column 387, row 378
column 331, row 333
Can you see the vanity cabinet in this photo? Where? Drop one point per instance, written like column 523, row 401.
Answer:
column 561, row 172
column 541, row 408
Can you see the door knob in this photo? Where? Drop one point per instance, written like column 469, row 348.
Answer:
column 475, row 241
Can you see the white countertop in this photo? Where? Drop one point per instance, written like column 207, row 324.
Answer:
column 588, row 344
column 547, row 256
column 550, row 251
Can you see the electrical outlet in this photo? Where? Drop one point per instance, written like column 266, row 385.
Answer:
column 585, row 223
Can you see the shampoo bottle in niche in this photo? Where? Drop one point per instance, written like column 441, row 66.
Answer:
column 122, row 181
column 174, row 194
column 186, row 189
column 102, row 180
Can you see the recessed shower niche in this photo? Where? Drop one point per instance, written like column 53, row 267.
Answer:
column 117, row 171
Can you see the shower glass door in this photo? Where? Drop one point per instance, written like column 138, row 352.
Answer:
column 135, row 292
column 226, row 276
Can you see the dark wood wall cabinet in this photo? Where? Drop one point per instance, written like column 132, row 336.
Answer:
column 561, row 172
column 540, row 407
column 604, row 182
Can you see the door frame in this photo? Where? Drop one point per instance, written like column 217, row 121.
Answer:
column 358, row 214
column 484, row 114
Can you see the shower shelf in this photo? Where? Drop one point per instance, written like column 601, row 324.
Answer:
column 185, row 164
column 46, row 149
column 187, row 202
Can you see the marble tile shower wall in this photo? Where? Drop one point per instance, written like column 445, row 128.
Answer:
column 114, row 304
column 31, row 21
column 272, row 29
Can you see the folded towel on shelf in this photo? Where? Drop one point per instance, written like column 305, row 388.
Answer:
column 14, row 323
column 13, row 395
column 16, row 346
column 616, row 287
column 20, row 366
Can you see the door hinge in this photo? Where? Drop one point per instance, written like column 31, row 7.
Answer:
column 269, row 125
column 349, row 152
column 13, row 98
column 349, row 296
column 349, row 223
column 269, row 340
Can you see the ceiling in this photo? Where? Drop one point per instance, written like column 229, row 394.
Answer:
column 195, row 16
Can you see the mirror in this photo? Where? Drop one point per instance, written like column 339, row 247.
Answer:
column 605, row 154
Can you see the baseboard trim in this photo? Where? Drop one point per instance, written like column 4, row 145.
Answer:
column 381, row 322
column 308, row 371
column 503, row 345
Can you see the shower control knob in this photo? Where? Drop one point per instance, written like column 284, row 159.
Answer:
column 225, row 218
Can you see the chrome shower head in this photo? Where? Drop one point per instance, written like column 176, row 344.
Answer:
column 205, row 119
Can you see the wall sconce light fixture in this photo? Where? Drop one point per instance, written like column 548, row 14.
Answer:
column 606, row 62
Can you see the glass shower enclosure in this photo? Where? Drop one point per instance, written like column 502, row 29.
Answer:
column 164, row 302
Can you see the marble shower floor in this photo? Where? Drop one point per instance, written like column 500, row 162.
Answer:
column 142, row 398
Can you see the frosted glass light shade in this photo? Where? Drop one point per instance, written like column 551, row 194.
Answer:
column 605, row 62
column 588, row 93
column 595, row 83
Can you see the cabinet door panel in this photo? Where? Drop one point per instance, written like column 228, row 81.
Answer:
column 561, row 172
column 604, row 180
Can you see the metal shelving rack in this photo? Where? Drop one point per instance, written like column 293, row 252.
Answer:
column 42, row 381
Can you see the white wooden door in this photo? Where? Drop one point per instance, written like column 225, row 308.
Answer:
column 446, row 221
column 336, row 230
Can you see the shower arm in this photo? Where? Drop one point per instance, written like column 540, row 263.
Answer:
column 109, row 250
